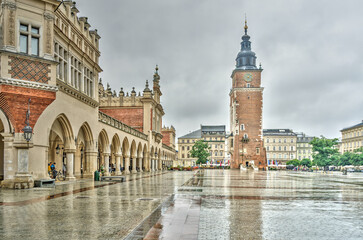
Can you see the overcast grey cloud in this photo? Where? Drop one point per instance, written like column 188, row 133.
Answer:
column 311, row 52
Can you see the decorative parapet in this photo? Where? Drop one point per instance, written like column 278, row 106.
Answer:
column 104, row 118
column 168, row 148
column 64, row 87
column 28, row 84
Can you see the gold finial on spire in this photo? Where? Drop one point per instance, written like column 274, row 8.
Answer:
column 156, row 68
column 246, row 27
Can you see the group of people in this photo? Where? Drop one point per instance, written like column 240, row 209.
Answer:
column 53, row 171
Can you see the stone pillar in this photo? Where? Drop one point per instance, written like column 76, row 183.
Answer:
column 127, row 164
column 140, row 163
column 69, row 164
column 91, row 164
column 118, row 160
column 107, row 163
column 134, row 165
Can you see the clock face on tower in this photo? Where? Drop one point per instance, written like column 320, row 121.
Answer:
column 248, row 77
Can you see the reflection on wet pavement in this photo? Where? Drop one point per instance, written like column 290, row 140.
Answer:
column 211, row 204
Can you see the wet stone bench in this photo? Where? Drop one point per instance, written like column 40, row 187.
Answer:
column 44, row 183
column 113, row 178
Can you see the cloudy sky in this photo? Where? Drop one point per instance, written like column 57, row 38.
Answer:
column 311, row 52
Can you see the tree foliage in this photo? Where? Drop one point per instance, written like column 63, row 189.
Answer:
column 324, row 149
column 306, row 162
column 294, row 162
column 200, row 150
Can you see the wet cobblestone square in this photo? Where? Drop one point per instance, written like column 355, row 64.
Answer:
column 213, row 204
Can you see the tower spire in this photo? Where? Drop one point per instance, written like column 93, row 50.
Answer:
column 246, row 27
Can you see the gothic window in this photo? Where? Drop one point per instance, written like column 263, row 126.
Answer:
column 29, row 39
column 242, row 127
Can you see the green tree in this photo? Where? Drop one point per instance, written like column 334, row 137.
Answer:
column 306, row 162
column 294, row 162
column 200, row 150
column 345, row 159
column 324, row 149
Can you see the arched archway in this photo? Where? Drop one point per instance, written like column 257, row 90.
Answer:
column 139, row 158
column 133, row 156
column 115, row 155
column 145, row 159
column 84, row 145
column 7, row 168
column 62, row 146
column 125, row 156
column 103, row 150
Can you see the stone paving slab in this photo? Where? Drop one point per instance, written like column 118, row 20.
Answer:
column 215, row 204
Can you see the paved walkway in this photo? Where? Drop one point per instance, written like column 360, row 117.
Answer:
column 213, row 204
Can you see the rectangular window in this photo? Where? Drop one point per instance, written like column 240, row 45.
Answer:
column 61, row 55
column 35, row 46
column 258, row 151
column 268, row 148
column 29, row 39
column 23, row 43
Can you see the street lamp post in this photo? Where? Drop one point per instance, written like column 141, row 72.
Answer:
column 22, row 178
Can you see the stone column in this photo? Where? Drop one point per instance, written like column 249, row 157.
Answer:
column 91, row 164
column 140, row 163
column 127, row 164
column 69, row 164
column 134, row 165
column 107, row 163
column 118, row 160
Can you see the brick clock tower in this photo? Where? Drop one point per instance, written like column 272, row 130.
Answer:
column 246, row 144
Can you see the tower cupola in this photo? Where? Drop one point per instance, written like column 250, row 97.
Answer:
column 246, row 59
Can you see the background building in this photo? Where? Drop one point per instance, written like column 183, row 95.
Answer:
column 280, row 145
column 352, row 137
column 246, row 144
column 214, row 135
column 303, row 147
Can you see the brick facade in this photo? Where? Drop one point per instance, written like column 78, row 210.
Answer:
column 131, row 116
column 14, row 102
column 30, row 70
column 246, row 97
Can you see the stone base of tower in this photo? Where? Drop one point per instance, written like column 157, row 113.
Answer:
column 249, row 155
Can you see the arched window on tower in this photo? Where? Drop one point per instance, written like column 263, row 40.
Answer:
column 245, row 135
column 248, row 85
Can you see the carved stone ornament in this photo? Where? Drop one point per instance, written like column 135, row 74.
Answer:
column 8, row 4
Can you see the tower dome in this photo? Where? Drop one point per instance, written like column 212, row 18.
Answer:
column 246, row 59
